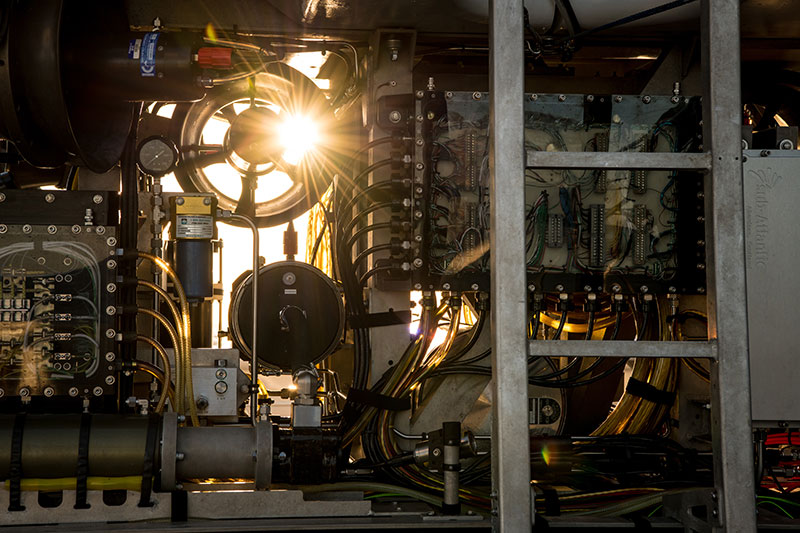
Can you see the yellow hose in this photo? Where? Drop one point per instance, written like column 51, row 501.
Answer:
column 133, row 483
column 165, row 360
column 187, row 332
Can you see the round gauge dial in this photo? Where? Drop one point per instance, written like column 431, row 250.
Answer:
column 157, row 156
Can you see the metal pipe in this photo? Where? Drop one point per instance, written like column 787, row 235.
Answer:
column 254, row 342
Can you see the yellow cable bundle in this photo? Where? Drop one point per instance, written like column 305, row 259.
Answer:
column 317, row 224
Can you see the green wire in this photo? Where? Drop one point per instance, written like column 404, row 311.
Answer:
column 384, row 495
column 776, row 505
column 782, row 500
column 654, row 511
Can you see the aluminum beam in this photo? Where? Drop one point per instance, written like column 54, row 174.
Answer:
column 577, row 348
column 618, row 160
column 725, row 259
column 510, row 445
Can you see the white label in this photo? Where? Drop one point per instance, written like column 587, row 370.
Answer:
column 194, row 226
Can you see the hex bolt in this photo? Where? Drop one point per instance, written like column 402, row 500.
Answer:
column 110, row 333
column 675, row 99
column 531, row 287
column 476, row 95
column 49, row 198
column 100, row 230
column 418, row 262
column 418, row 238
column 420, row 142
column 646, row 99
column 111, row 287
column 97, row 198
column 111, row 264
column 562, row 97
column 616, row 287
column 97, row 391
column 420, row 118
column 420, row 95
column 560, row 288
column 533, row 97
column 418, row 214
column 110, row 356
column 27, row 228
column 475, row 287
column 76, row 229
column 418, row 286
column 644, row 288
column 110, row 380
column 446, row 286
column 395, row 116
column 25, row 392
column 73, row 391
column 436, row 452
column 111, row 241
column 617, row 99
column 207, row 200
column 111, row 310
column 590, row 98
column 51, row 229
column 448, row 94
column 41, row 260
column 420, row 166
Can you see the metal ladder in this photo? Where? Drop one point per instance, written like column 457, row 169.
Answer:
column 731, row 502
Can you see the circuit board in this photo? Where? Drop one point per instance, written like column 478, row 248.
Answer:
column 57, row 307
column 585, row 230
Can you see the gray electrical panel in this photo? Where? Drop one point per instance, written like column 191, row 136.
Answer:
column 772, row 247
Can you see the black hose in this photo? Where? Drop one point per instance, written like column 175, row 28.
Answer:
column 560, row 327
column 590, row 326
column 369, row 251
column 366, row 229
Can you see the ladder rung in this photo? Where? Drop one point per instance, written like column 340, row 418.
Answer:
column 577, row 348
column 618, row 160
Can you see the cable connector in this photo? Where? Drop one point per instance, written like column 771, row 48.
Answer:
column 564, row 303
column 618, row 304
column 592, row 305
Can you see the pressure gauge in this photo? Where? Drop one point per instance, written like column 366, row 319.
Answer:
column 158, row 156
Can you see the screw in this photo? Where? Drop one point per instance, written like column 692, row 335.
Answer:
column 448, row 94
column 111, row 310
column 562, row 97
column 418, row 286
column 644, row 288
column 110, row 333
column 786, row 144
column 100, row 230
column 420, row 95
column 76, row 229
column 431, row 115
column 419, row 142
column 49, row 392
column 110, row 356
column 73, row 391
column 675, row 99
column 418, row 238
column 110, row 380
column 97, row 391
column 2, row 197
column 41, row 260
column 560, row 288
column 646, row 99
column 394, row 117
column 25, row 392
column 531, row 287
column 673, row 289
column 51, row 229
column 3, row 228
column 533, row 97
column 111, row 287
column 418, row 214
column 446, row 286
column 615, row 287
column 418, row 262
column 49, row 198
column 207, row 201
column 27, row 228
column 420, row 166
column 111, row 264
column 701, row 290
column 476, row 95
column 2, row 393
column 419, row 118
column 97, row 198
column 111, row 241
column 180, row 456
column 474, row 287
column 436, row 452
column 289, row 278
column 180, row 200
column 617, row 99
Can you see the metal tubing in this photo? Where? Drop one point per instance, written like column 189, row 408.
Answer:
column 618, row 160
column 727, row 312
column 254, row 338
column 510, row 443
column 580, row 348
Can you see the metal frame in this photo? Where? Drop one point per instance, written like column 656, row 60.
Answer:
column 732, row 504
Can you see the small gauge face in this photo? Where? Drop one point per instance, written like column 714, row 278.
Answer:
column 157, row 156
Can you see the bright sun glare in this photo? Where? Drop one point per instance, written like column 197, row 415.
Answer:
column 298, row 135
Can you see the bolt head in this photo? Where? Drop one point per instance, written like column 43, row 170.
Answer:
column 644, row 288
column 533, row 97
column 420, row 95
column 111, row 287
column 76, row 229
column 476, row 95
column 180, row 200
column 531, row 287
column 110, row 356
column 25, row 392
column 110, row 333
column 394, row 117
column 474, row 287
column 2, row 197
column 436, row 452
column 97, row 198
column 418, row 262
column 646, row 99
column 448, row 94
column 27, row 228
column 111, row 310
column 418, row 214
column 73, row 391
column 562, row 97
column 675, row 99
column 419, row 142
column 51, row 229
column 446, row 286
column 617, row 99
column 111, row 241
column 418, row 238
column 111, row 264
column 110, row 380
column 97, row 391
column 590, row 98
column 49, row 198
column 560, row 288
column 3, row 228
column 418, row 286
column 616, row 287
column 207, row 200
